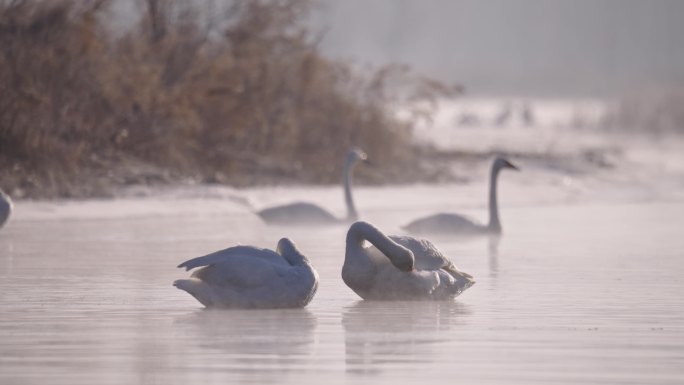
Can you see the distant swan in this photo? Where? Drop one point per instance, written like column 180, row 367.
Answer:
column 455, row 224
column 249, row 277
column 5, row 208
column 398, row 268
column 302, row 213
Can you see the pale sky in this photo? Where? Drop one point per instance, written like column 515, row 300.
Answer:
column 589, row 47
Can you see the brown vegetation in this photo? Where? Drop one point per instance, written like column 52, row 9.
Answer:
column 244, row 99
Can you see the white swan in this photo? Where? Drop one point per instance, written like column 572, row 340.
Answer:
column 249, row 277
column 454, row 224
column 302, row 213
column 5, row 208
column 398, row 268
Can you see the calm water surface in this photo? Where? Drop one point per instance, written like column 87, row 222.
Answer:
column 571, row 294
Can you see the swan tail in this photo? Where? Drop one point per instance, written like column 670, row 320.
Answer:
column 195, row 288
column 463, row 279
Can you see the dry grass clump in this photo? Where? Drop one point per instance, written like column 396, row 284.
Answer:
column 246, row 98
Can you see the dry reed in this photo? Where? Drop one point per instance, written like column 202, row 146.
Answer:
column 245, row 99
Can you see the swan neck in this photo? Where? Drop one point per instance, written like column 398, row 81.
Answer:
column 352, row 215
column 361, row 231
column 494, row 223
column 291, row 254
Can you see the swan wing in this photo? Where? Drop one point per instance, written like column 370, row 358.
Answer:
column 429, row 260
column 242, row 272
column 427, row 256
column 226, row 255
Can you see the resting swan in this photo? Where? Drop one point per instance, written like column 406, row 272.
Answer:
column 5, row 208
column 398, row 268
column 249, row 277
column 302, row 213
column 454, row 224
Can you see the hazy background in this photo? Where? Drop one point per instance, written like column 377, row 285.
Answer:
column 517, row 47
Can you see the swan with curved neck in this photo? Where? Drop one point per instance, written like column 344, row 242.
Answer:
column 455, row 224
column 398, row 268
column 250, row 277
column 5, row 208
column 304, row 213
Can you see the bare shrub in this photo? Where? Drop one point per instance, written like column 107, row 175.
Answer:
column 245, row 99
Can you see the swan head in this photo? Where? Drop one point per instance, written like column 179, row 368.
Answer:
column 356, row 154
column 501, row 163
column 285, row 245
column 404, row 261
column 287, row 249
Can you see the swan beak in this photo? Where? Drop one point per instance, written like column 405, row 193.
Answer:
column 511, row 165
column 366, row 161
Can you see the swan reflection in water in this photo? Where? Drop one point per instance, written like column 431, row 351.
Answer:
column 273, row 339
column 381, row 333
column 493, row 242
